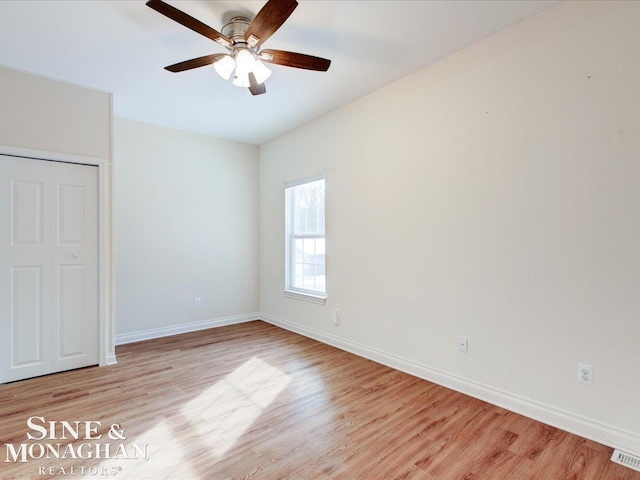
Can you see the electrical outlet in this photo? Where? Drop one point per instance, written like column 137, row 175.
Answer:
column 198, row 302
column 585, row 374
column 462, row 344
column 336, row 317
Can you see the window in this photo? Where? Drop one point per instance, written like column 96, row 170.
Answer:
column 305, row 277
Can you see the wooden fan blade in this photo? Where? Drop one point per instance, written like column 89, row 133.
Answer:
column 195, row 63
column 296, row 60
column 188, row 21
column 256, row 88
column 269, row 19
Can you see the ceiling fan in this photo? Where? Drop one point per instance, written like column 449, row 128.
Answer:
column 243, row 39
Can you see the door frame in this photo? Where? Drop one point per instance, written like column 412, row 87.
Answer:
column 106, row 320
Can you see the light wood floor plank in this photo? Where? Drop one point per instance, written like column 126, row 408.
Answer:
column 252, row 401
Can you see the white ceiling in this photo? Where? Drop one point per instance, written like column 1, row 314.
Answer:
column 121, row 47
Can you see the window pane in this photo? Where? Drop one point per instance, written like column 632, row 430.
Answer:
column 298, row 250
column 309, row 250
column 308, row 207
column 300, row 221
column 320, row 251
column 320, row 278
column 299, row 277
column 312, row 219
column 309, row 258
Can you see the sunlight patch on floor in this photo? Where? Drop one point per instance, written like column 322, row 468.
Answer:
column 208, row 426
column 226, row 410
column 165, row 454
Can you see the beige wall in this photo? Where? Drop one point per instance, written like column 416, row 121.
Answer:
column 493, row 195
column 43, row 114
column 186, row 224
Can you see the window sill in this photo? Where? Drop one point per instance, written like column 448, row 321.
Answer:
column 307, row 297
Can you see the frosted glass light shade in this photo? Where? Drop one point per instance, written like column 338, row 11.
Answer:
column 245, row 60
column 241, row 79
column 225, row 66
column 261, row 72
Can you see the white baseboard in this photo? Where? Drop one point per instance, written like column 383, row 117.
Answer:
column 584, row 427
column 111, row 359
column 184, row 328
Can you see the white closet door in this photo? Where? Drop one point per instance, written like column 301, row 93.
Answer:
column 48, row 267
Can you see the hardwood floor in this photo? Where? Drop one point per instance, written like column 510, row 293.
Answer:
column 252, row 401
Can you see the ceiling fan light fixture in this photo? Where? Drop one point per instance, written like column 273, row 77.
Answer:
column 225, row 66
column 261, row 72
column 245, row 60
column 243, row 39
column 241, row 79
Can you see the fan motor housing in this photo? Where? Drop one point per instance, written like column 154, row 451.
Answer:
column 236, row 29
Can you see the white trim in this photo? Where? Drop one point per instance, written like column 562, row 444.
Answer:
column 307, row 297
column 106, row 348
column 184, row 328
column 301, row 181
column 593, row 430
column 51, row 156
column 110, row 327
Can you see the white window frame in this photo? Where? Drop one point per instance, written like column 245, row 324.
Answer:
column 290, row 291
